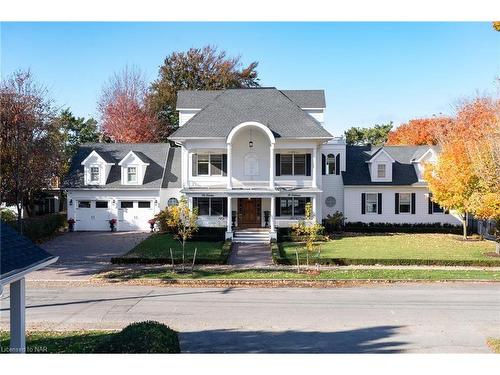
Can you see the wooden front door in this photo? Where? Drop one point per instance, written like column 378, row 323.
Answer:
column 249, row 212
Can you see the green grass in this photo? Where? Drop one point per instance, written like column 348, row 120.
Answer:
column 351, row 274
column 157, row 248
column 400, row 249
column 494, row 344
column 59, row 342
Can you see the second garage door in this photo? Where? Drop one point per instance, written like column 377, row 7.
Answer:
column 134, row 214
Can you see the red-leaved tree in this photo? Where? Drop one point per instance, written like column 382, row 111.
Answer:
column 125, row 117
column 425, row 131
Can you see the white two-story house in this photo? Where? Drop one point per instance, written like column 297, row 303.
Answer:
column 250, row 158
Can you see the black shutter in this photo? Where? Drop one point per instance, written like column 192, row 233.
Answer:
column 224, row 207
column 308, row 164
column 363, row 203
column 413, row 201
column 194, row 166
column 195, row 203
column 224, row 164
column 379, row 205
column 278, row 166
column 396, row 203
column 429, row 203
column 337, row 164
column 323, row 164
column 277, row 203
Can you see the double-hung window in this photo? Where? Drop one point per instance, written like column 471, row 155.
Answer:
column 404, row 203
column 210, row 206
column 380, row 170
column 131, row 175
column 436, row 208
column 210, row 164
column 371, row 203
column 293, row 206
column 293, row 164
column 94, row 174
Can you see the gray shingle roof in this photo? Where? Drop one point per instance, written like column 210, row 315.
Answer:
column 307, row 98
column 196, row 99
column 268, row 106
column 18, row 253
column 403, row 171
column 156, row 154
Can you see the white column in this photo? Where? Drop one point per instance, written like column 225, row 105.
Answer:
column 314, row 166
column 271, row 166
column 186, row 167
column 229, row 168
column 17, row 317
column 314, row 208
column 273, row 216
column 229, row 230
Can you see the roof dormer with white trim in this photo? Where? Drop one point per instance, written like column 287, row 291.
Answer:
column 96, row 169
column 133, row 168
column 380, row 166
column 430, row 156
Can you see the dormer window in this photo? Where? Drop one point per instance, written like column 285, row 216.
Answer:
column 380, row 170
column 132, row 175
column 94, row 175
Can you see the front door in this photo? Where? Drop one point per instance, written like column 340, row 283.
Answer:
column 249, row 212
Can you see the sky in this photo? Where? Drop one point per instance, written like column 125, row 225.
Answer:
column 372, row 73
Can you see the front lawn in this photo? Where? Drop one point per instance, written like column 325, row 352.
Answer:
column 156, row 249
column 397, row 249
column 337, row 274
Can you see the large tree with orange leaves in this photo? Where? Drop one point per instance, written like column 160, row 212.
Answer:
column 424, row 131
column 124, row 110
column 466, row 177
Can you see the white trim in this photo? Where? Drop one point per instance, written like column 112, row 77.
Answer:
column 132, row 153
column 378, row 153
column 425, row 153
column 94, row 152
column 264, row 128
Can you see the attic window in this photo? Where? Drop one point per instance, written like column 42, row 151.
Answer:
column 380, row 170
column 94, row 174
column 131, row 174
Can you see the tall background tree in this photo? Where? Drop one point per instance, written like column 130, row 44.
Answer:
column 123, row 107
column 424, row 131
column 376, row 135
column 31, row 143
column 197, row 69
column 75, row 131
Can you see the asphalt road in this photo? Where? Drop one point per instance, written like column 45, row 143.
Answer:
column 408, row 318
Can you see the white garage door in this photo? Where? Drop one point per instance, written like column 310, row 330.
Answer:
column 134, row 214
column 92, row 215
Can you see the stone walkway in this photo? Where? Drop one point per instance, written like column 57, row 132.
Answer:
column 250, row 255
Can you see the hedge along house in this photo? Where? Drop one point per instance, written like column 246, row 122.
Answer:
column 18, row 257
column 250, row 160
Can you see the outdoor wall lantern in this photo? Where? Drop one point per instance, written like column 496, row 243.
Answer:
column 250, row 142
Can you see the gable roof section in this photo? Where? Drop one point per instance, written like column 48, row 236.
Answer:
column 19, row 254
column 153, row 153
column 267, row 106
column 105, row 158
column 195, row 99
column 140, row 155
column 403, row 171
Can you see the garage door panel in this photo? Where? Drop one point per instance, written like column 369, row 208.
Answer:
column 135, row 216
column 88, row 217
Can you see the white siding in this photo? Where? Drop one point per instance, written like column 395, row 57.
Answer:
column 332, row 185
column 352, row 209
column 186, row 114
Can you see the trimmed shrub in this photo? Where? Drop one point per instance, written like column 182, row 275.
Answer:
column 38, row 228
column 142, row 337
column 361, row 227
column 209, row 234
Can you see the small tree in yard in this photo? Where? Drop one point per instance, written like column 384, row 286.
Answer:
column 181, row 221
column 310, row 231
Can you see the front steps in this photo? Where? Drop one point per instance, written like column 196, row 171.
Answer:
column 252, row 235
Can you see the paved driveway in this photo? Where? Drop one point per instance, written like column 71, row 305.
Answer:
column 398, row 318
column 83, row 254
